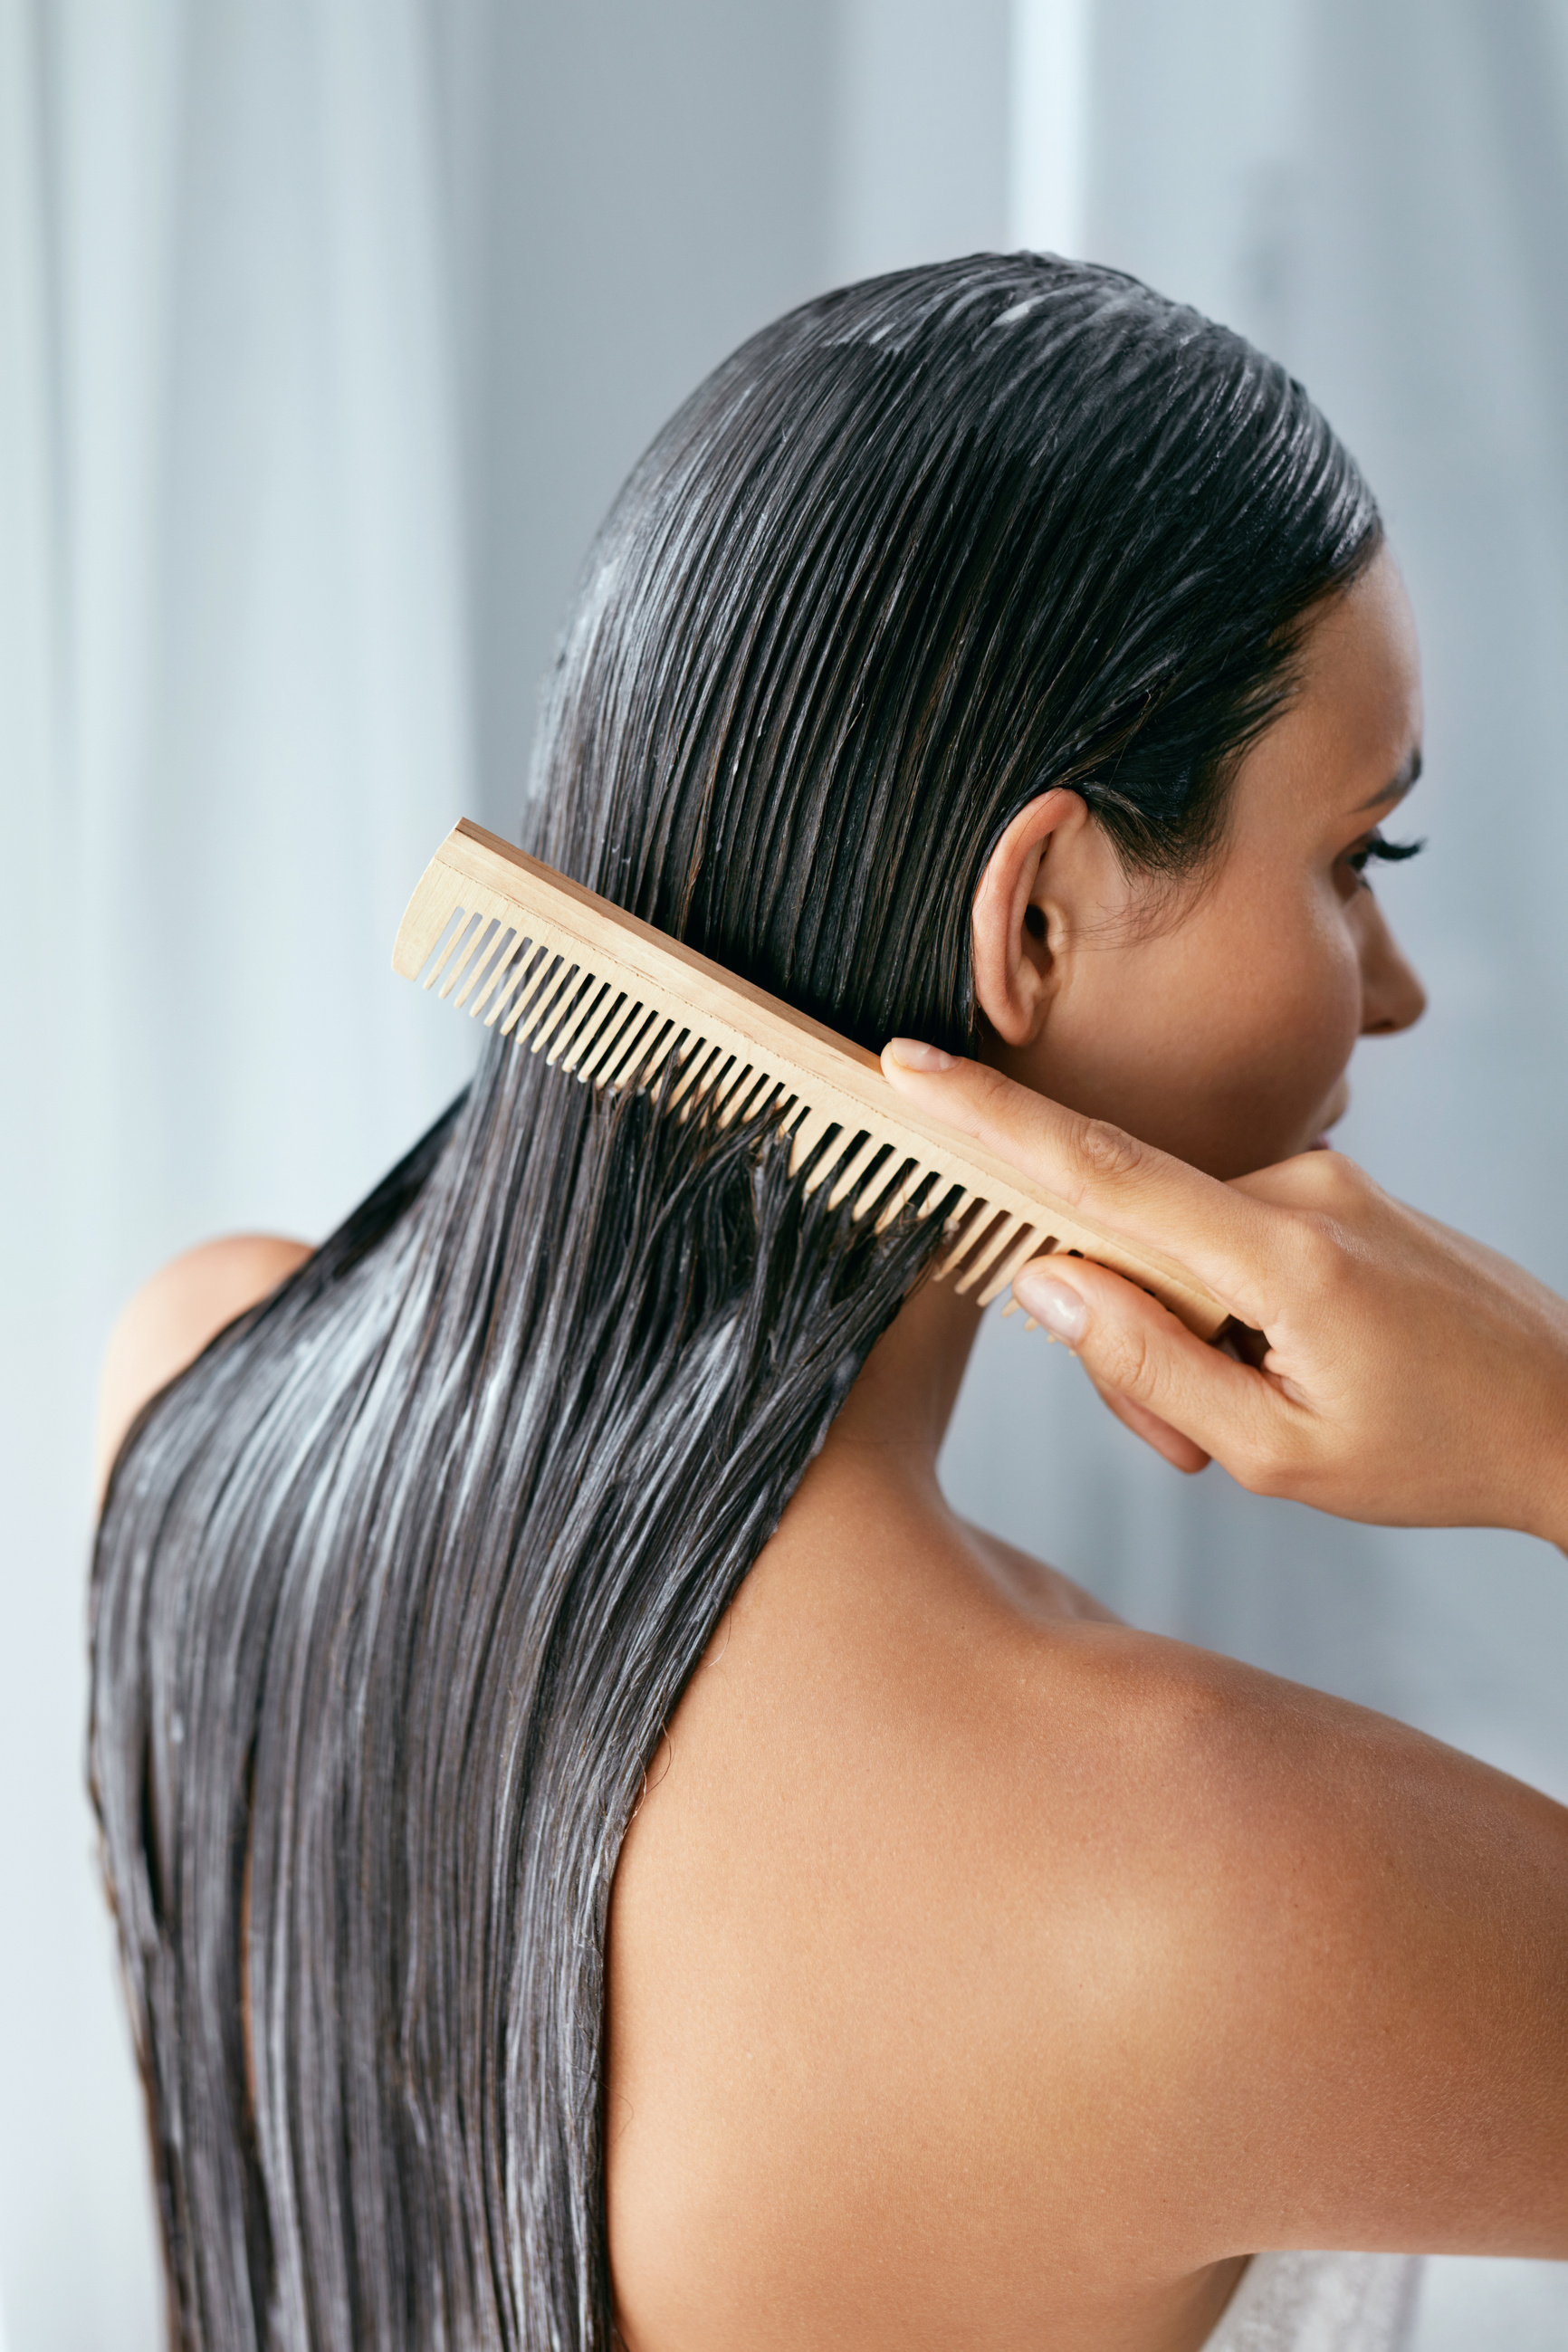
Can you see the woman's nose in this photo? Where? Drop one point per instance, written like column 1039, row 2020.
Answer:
column 1392, row 996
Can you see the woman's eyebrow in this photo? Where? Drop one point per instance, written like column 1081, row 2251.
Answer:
column 1408, row 776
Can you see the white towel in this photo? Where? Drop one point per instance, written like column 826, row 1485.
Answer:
column 1320, row 2302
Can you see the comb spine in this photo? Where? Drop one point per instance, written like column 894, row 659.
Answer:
column 833, row 1081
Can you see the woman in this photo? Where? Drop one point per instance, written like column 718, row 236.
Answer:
column 1000, row 655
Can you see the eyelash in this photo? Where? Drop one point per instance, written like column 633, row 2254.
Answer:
column 1391, row 852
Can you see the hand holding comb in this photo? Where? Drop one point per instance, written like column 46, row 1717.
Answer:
column 614, row 1001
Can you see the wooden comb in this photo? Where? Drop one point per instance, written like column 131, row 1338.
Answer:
column 612, row 1001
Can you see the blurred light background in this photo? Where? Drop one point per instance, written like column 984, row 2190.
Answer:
column 327, row 330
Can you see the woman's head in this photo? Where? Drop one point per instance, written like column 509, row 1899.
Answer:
column 1217, row 1021
column 915, row 557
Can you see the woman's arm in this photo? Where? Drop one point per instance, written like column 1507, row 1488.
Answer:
column 170, row 1321
column 1406, row 1375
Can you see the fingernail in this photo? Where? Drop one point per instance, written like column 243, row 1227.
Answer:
column 1050, row 1302
column 911, row 1055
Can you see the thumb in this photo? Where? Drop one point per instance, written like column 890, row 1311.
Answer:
column 1152, row 1372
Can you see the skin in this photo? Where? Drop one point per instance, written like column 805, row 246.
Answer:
column 1218, row 1027
column 1386, row 1367
column 171, row 1320
column 982, row 1971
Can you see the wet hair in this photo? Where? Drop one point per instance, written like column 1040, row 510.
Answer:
column 398, row 1585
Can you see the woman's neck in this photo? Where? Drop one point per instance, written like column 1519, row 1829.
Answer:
column 899, row 1409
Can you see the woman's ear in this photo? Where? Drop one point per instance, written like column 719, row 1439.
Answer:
column 1019, row 923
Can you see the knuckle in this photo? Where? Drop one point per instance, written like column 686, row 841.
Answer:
column 999, row 1103
column 1108, row 1154
column 1316, row 1253
column 1330, row 1181
column 1123, row 1362
column 989, row 1084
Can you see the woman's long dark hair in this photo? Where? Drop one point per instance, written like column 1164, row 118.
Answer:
column 397, row 1586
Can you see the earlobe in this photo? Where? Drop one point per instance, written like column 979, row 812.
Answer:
column 1015, row 957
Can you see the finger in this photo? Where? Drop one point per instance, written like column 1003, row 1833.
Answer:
column 1139, row 1354
column 1168, row 1443
column 1132, row 1189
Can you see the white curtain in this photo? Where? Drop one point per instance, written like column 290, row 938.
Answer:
column 234, row 723
column 327, row 328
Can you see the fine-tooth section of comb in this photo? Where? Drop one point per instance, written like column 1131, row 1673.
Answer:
column 615, row 1002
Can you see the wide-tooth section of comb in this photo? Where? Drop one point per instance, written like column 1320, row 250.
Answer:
column 578, row 1024
column 1015, row 1254
column 489, row 959
column 478, row 929
column 911, row 1180
column 617, row 1003
column 533, row 970
column 462, row 929
column 636, row 1039
column 848, row 1174
column 612, row 1022
column 596, row 1035
column 557, row 1008
column 502, row 967
column 537, row 1025
column 807, row 1131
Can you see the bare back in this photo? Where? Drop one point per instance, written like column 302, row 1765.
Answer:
column 985, row 1972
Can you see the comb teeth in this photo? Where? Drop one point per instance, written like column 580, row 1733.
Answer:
column 806, row 1132
column 847, row 1174
column 615, row 1003
column 529, row 974
column 465, row 941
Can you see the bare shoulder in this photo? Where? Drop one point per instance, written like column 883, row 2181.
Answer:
column 1345, row 1957
column 1040, row 1592
column 1165, row 1957
column 1261, row 1922
column 173, row 1317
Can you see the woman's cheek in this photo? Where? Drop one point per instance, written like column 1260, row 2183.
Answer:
column 1293, row 1021
column 1325, row 1016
